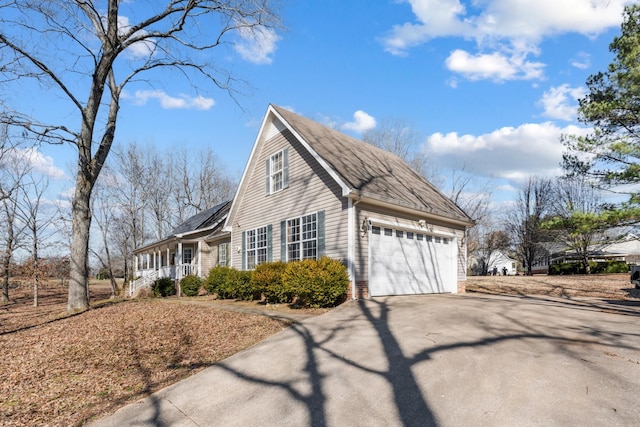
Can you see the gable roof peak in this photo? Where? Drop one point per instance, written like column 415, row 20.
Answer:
column 369, row 171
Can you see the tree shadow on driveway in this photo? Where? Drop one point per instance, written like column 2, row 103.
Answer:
column 360, row 353
column 427, row 361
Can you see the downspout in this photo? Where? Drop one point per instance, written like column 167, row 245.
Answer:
column 351, row 250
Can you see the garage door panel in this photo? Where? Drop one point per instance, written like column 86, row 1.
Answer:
column 402, row 265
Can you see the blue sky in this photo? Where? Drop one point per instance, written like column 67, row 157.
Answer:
column 489, row 84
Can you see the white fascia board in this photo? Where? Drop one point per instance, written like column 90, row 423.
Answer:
column 346, row 190
column 417, row 212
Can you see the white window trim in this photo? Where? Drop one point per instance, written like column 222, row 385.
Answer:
column 223, row 254
column 301, row 241
column 283, row 171
column 257, row 248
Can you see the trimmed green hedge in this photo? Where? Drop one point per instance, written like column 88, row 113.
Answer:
column 267, row 280
column 608, row 267
column 163, row 287
column 313, row 283
column 190, row 285
column 321, row 283
column 218, row 282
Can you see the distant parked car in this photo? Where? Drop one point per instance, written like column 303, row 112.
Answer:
column 635, row 275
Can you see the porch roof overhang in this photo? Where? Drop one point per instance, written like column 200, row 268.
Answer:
column 181, row 237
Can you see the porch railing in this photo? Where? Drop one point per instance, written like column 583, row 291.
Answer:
column 143, row 282
column 175, row 272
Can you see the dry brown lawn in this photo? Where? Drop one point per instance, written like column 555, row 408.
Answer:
column 607, row 286
column 62, row 370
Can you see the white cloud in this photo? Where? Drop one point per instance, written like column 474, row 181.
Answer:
column 33, row 159
column 257, row 44
column 560, row 102
column 504, row 30
column 495, row 66
column 582, row 61
column 140, row 97
column 362, row 122
column 138, row 50
column 510, row 153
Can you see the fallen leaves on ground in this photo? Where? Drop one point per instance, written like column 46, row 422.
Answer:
column 610, row 286
column 64, row 371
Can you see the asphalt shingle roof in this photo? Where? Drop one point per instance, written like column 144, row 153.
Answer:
column 371, row 171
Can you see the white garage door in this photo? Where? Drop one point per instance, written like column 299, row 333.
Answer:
column 404, row 262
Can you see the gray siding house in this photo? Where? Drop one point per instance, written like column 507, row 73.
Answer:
column 309, row 190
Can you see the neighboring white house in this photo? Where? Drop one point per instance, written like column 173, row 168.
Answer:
column 498, row 260
column 625, row 248
column 502, row 264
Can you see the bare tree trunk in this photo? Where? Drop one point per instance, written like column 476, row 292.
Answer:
column 36, row 275
column 81, row 222
column 5, row 280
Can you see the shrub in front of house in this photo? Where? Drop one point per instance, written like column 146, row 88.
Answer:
column 190, row 285
column 267, row 280
column 241, row 286
column 617, row 267
column 218, row 282
column 163, row 287
column 316, row 283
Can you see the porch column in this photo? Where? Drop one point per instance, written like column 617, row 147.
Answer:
column 199, row 258
column 179, row 261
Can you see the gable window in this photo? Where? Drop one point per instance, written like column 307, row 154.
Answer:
column 256, row 247
column 277, row 171
column 302, row 238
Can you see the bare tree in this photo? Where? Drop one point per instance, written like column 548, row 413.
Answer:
column 525, row 219
column 89, row 52
column 102, row 208
column 160, row 183
column 37, row 221
column 399, row 138
column 203, row 183
column 126, row 188
column 11, row 233
column 488, row 246
column 473, row 195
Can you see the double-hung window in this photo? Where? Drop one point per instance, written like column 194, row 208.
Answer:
column 223, row 254
column 256, row 244
column 277, row 171
column 302, row 237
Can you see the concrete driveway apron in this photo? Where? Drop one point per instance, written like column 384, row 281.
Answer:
column 446, row 360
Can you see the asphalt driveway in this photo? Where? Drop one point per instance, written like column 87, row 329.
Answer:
column 446, row 360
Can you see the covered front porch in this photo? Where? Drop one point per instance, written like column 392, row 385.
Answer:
column 174, row 260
